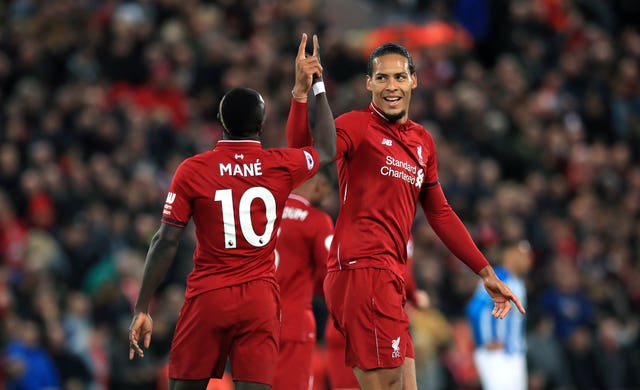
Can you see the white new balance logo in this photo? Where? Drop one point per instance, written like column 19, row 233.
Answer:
column 386, row 141
column 395, row 344
column 171, row 197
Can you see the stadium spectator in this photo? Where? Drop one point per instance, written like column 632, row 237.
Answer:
column 545, row 102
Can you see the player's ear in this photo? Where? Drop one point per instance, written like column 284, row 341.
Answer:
column 368, row 83
column 414, row 80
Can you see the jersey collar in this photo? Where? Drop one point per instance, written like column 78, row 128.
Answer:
column 300, row 198
column 380, row 117
column 232, row 144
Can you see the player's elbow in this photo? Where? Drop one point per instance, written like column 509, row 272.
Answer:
column 167, row 236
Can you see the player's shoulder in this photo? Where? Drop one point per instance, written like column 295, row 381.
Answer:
column 351, row 117
column 314, row 213
column 196, row 160
column 287, row 153
column 318, row 214
column 293, row 157
column 319, row 222
column 420, row 130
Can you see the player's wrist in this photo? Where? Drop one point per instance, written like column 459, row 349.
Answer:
column 299, row 96
column 318, row 88
column 487, row 272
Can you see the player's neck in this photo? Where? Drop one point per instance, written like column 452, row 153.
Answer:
column 229, row 137
column 400, row 118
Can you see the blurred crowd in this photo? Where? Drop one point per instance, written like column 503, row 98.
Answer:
column 535, row 113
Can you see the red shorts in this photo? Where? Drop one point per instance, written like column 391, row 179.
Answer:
column 368, row 307
column 294, row 366
column 240, row 322
column 341, row 376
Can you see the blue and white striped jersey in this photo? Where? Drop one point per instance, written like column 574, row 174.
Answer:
column 509, row 331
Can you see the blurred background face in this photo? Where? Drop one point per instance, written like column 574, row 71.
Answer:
column 315, row 189
column 390, row 84
column 519, row 258
column 320, row 190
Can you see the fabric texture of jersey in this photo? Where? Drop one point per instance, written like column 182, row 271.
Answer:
column 235, row 194
column 302, row 249
column 510, row 331
column 393, row 161
column 397, row 164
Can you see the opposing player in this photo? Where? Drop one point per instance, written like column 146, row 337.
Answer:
column 386, row 167
column 302, row 250
column 500, row 345
column 235, row 194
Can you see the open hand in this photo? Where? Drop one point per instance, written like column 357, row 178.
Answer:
column 500, row 293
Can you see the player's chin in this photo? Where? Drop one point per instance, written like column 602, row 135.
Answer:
column 393, row 111
column 394, row 115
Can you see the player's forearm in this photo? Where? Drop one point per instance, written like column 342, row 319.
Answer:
column 298, row 130
column 450, row 229
column 324, row 131
column 161, row 253
column 455, row 236
column 487, row 272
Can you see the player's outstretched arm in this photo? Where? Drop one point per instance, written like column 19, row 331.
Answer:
column 450, row 229
column 162, row 251
column 308, row 75
column 324, row 131
column 500, row 293
column 298, row 130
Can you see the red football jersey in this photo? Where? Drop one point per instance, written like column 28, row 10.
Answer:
column 382, row 168
column 236, row 194
column 302, row 248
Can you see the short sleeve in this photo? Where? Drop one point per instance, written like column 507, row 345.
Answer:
column 303, row 163
column 177, row 206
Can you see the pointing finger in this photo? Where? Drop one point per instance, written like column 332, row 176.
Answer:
column 518, row 304
column 316, row 46
column 302, row 47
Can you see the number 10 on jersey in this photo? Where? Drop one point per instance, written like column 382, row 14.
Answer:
column 225, row 197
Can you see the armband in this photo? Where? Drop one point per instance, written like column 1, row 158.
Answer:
column 318, row 88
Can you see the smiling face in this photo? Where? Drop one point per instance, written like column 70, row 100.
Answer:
column 390, row 84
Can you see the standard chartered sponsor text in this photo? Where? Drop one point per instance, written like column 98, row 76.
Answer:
column 390, row 160
column 399, row 169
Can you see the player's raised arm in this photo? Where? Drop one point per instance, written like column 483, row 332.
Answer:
column 309, row 75
column 298, row 130
column 324, row 130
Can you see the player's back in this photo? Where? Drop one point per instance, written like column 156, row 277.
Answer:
column 303, row 245
column 236, row 194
